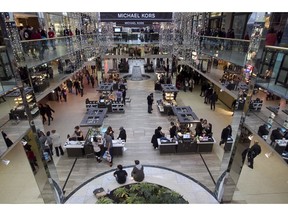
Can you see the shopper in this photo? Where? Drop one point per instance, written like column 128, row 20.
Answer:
column 172, row 130
column 48, row 111
column 78, row 133
column 124, row 95
column 213, row 100
column 122, row 135
column 57, row 142
column 138, row 172
column 6, row 139
column 150, row 101
column 97, row 149
column 225, row 134
column 252, row 153
column 108, row 145
column 120, row 174
column 49, row 143
column 42, row 112
column 51, row 34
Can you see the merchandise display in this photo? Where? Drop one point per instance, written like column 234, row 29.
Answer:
column 19, row 109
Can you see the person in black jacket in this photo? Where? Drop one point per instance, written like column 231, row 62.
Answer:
column 122, row 134
column 172, row 130
column 213, row 100
column 120, row 174
column 199, row 128
column 226, row 132
column 263, row 130
column 252, row 153
column 275, row 134
column 42, row 112
column 150, row 102
column 48, row 111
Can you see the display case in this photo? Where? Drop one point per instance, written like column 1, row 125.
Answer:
column 19, row 109
column 40, row 82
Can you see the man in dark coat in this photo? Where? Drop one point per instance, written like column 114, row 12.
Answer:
column 213, row 100
column 252, row 153
column 150, row 102
column 224, row 135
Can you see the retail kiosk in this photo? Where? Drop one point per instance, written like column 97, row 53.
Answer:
column 93, row 118
column 165, row 105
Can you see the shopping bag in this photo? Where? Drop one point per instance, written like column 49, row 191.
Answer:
column 107, row 156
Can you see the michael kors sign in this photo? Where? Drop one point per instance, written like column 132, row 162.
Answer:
column 136, row 16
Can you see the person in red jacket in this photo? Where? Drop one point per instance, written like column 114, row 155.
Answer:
column 271, row 37
column 51, row 34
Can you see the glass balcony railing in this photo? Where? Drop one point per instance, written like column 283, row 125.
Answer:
column 229, row 49
column 275, row 80
column 37, row 52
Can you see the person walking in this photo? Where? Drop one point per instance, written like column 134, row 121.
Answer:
column 252, row 153
column 48, row 111
column 42, row 112
column 138, row 172
column 150, row 101
column 213, row 99
column 57, row 142
column 120, row 174
column 124, row 95
column 92, row 80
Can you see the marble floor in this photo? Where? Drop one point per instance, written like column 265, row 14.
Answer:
column 139, row 125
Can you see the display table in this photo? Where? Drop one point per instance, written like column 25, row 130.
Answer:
column 167, row 146
column 205, row 144
column 106, row 87
column 118, row 147
column 228, row 144
column 185, row 115
column 94, row 118
column 280, row 145
column 273, row 109
column 74, row 148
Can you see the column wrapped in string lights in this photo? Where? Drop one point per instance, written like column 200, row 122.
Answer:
column 166, row 37
column 105, row 37
column 13, row 37
column 91, row 36
column 183, row 35
column 196, row 29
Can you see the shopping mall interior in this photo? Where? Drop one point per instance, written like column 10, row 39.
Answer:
column 80, row 62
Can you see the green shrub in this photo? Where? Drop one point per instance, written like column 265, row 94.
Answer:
column 142, row 193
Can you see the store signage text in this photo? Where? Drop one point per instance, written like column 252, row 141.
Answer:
column 136, row 16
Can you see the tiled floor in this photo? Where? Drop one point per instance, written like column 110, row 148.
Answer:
column 140, row 126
